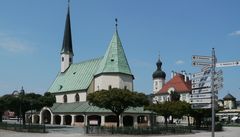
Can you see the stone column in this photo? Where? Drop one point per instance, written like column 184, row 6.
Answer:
column 62, row 120
column 85, row 120
column 40, row 119
column 149, row 121
column 103, row 120
column 135, row 123
column 33, row 119
column 73, row 120
column 52, row 119
column 121, row 121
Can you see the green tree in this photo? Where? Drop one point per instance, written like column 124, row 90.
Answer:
column 117, row 100
column 2, row 107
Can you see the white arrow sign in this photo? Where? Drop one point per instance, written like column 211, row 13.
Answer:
column 205, row 58
column 196, row 63
column 201, row 74
column 201, row 85
column 201, row 106
column 201, row 79
column 228, row 64
column 201, row 100
column 208, row 95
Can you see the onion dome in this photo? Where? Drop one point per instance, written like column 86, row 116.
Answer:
column 159, row 73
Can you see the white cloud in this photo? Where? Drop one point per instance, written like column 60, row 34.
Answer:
column 179, row 62
column 235, row 33
column 14, row 45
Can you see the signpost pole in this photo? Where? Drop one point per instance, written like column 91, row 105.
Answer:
column 212, row 90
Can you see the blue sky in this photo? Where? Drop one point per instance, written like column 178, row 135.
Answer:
column 31, row 34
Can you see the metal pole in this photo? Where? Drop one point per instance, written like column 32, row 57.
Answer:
column 212, row 89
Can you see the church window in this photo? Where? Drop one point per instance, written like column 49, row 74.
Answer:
column 125, row 87
column 62, row 59
column 109, row 87
column 70, row 60
column 77, row 97
column 65, row 99
column 156, row 83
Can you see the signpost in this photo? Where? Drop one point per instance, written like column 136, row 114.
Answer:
column 228, row 64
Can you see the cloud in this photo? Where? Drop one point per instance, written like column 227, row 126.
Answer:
column 15, row 45
column 235, row 33
column 179, row 62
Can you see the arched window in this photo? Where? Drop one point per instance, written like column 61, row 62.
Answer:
column 77, row 98
column 109, row 87
column 65, row 98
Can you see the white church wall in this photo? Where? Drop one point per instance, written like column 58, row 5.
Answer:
column 71, row 97
column 115, row 81
column 158, row 84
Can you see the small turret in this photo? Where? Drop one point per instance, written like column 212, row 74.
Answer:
column 158, row 77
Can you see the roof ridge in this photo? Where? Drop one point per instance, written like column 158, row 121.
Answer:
column 89, row 60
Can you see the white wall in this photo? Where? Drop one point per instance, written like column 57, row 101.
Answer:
column 115, row 80
column 65, row 64
column 71, row 97
column 157, row 84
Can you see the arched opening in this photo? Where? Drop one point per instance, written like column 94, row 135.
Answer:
column 65, row 98
column 36, row 119
column 46, row 117
column 94, row 120
column 77, row 98
column 68, row 120
column 127, row 121
column 57, row 119
column 111, row 120
column 142, row 119
column 79, row 118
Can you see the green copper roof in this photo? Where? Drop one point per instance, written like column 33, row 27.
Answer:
column 76, row 77
column 84, row 107
column 114, row 60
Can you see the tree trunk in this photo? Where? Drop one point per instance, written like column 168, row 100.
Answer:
column 165, row 118
column 1, row 116
column 188, row 120
column 118, row 120
column 23, row 118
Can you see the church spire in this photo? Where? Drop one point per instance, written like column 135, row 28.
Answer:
column 67, row 38
column 67, row 51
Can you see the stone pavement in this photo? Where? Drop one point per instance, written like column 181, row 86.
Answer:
column 76, row 132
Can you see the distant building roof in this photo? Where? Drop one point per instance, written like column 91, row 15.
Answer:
column 229, row 97
column 77, row 77
column 159, row 73
column 178, row 83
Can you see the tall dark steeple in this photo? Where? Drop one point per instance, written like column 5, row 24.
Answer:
column 67, row 50
column 159, row 73
column 67, row 39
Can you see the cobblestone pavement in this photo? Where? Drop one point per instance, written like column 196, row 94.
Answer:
column 76, row 132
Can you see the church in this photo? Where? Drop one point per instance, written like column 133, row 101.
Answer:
column 76, row 80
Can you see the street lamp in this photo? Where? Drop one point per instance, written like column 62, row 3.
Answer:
column 19, row 94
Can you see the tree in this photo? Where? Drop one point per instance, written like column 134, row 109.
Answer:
column 2, row 108
column 117, row 100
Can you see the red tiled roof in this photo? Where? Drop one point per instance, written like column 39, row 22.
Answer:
column 178, row 83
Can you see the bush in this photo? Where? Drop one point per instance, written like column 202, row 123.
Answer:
column 218, row 127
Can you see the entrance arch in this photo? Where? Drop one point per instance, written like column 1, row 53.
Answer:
column 68, row 119
column 46, row 117
column 128, row 121
column 36, row 119
column 94, row 120
column 57, row 119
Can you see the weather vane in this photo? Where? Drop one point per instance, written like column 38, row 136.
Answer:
column 116, row 21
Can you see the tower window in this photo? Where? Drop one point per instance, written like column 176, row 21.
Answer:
column 77, row 97
column 125, row 87
column 109, row 87
column 62, row 59
column 70, row 60
column 65, row 98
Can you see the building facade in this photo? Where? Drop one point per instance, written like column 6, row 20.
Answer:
column 76, row 80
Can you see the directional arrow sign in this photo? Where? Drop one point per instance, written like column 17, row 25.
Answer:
column 201, row 79
column 208, row 95
column 201, row 74
column 201, row 85
column 203, row 90
column 196, row 63
column 201, row 106
column 205, row 68
column 203, row 58
column 201, row 100
column 228, row 64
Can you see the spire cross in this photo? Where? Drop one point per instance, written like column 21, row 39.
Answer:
column 116, row 23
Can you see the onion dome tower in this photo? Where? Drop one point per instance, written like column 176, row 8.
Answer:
column 158, row 77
